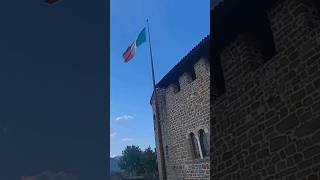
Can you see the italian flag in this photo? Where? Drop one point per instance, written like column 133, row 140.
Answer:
column 131, row 50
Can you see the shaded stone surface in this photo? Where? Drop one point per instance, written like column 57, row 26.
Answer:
column 279, row 92
column 288, row 123
column 278, row 143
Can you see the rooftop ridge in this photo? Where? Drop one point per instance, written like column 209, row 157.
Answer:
column 185, row 63
column 203, row 40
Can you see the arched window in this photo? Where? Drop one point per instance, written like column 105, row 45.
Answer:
column 194, row 146
column 203, row 143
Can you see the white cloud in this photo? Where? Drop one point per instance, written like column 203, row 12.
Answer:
column 50, row 176
column 114, row 155
column 113, row 134
column 124, row 117
column 126, row 139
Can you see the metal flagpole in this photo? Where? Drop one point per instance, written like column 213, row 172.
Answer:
column 157, row 117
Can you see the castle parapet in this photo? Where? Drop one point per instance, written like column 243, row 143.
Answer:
column 184, row 80
column 293, row 18
column 172, row 89
column 202, row 68
column 184, row 108
column 268, row 51
column 198, row 73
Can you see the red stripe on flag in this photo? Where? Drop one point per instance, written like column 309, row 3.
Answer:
column 129, row 53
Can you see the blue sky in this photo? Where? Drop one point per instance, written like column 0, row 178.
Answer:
column 176, row 27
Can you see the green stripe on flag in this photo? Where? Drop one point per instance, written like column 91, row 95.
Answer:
column 141, row 38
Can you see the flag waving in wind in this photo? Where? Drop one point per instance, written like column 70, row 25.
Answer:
column 130, row 52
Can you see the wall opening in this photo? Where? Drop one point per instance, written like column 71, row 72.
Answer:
column 194, row 146
column 261, row 30
column 203, row 143
column 167, row 150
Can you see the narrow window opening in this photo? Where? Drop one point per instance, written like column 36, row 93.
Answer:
column 194, row 147
column 203, row 143
column 167, row 150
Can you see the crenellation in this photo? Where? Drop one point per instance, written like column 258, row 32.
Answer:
column 297, row 20
column 184, row 80
column 202, row 67
column 264, row 125
column 187, row 111
column 265, row 121
column 241, row 57
column 173, row 89
column 186, row 83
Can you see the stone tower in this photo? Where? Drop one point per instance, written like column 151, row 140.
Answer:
column 184, row 108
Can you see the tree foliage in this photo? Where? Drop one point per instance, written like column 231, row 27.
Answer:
column 149, row 160
column 130, row 160
column 136, row 161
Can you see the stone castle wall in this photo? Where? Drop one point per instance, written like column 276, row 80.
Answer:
column 267, row 123
column 184, row 108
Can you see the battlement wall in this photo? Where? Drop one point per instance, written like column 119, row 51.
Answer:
column 188, row 81
column 184, row 109
column 266, row 123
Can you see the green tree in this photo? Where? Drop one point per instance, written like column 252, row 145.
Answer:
column 149, row 161
column 130, row 160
